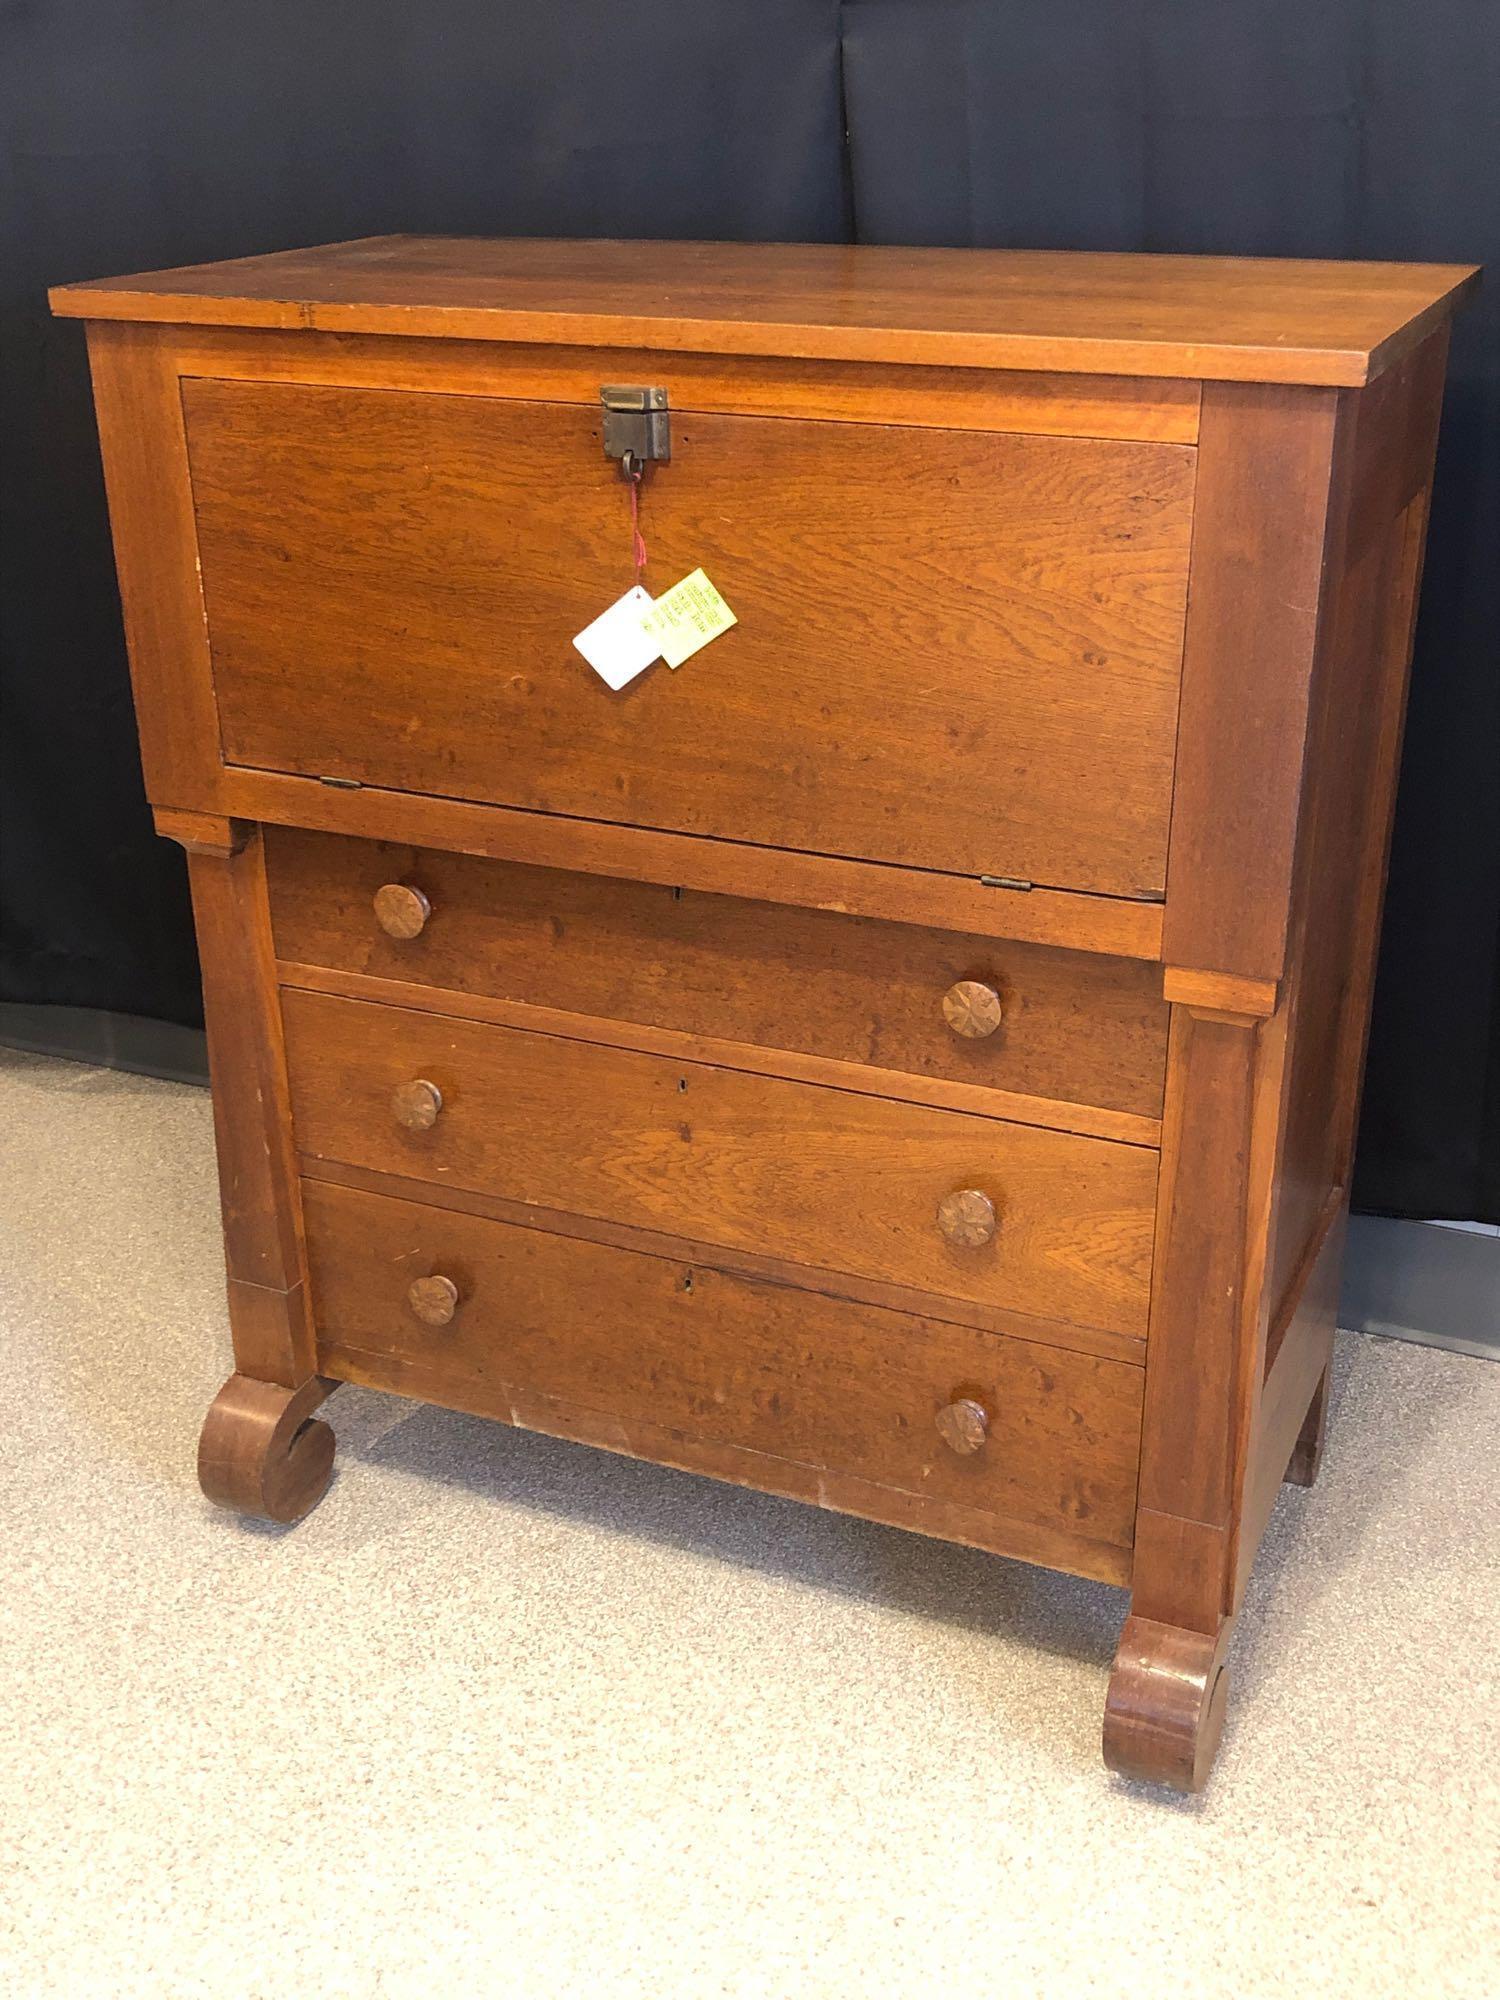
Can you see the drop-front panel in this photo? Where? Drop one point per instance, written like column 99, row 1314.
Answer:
column 923, row 615
column 906, row 1057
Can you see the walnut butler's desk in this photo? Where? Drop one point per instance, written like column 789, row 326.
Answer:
column 906, row 1058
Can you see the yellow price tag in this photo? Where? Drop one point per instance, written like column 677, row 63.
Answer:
column 686, row 617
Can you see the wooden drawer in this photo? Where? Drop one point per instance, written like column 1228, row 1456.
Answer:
column 674, row 1361
column 956, row 650
column 820, row 1178
column 1076, row 1029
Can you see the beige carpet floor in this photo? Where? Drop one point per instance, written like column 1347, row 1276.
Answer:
column 510, row 1717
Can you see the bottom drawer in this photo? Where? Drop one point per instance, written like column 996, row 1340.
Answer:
column 1006, row 1444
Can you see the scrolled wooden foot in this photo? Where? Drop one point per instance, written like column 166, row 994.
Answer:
column 262, row 1451
column 1307, row 1453
column 1164, row 1713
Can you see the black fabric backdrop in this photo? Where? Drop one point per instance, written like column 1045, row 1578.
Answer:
column 154, row 132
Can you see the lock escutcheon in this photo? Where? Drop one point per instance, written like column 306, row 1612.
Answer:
column 637, row 427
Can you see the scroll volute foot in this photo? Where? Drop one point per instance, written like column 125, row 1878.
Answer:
column 263, row 1452
column 1164, row 1713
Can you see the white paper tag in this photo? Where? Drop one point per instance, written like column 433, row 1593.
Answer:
column 616, row 645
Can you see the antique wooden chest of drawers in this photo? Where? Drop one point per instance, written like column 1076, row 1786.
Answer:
column 904, row 1057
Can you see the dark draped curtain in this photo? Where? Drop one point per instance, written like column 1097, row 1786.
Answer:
column 153, row 132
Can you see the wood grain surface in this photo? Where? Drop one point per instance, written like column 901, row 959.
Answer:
column 258, row 1190
column 138, row 402
column 1226, row 318
column 642, row 1340
column 758, row 1266
column 938, row 631
column 1058, row 1114
column 1263, row 514
column 1075, row 1028
column 1165, row 1710
column 824, row 1179
column 262, row 1452
column 1358, row 711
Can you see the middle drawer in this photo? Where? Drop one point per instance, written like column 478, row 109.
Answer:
column 1015, row 1217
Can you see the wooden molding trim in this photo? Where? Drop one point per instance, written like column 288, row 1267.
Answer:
column 1220, row 993
column 202, row 833
column 1096, row 406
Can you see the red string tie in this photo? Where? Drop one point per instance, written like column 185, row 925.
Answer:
column 637, row 539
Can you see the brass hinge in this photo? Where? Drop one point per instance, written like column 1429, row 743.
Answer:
column 343, row 784
column 1004, row 882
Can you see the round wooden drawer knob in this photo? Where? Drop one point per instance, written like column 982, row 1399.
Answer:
column 400, row 910
column 963, row 1426
column 967, row 1217
column 433, row 1300
column 972, row 1009
column 417, row 1104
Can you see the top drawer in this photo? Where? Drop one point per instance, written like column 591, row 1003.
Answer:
column 956, row 650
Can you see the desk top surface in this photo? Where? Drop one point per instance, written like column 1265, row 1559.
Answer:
column 1243, row 319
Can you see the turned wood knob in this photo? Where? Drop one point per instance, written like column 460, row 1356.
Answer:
column 963, row 1425
column 967, row 1217
column 401, row 910
column 417, row 1104
column 972, row 1009
column 433, row 1300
